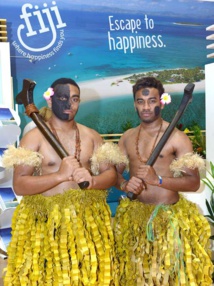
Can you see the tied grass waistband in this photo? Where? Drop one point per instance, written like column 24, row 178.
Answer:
column 42, row 204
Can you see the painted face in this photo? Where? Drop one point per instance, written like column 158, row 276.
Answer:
column 147, row 104
column 63, row 100
column 145, row 91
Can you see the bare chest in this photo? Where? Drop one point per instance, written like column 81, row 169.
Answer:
column 81, row 150
column 141, row 153
column 142, row 149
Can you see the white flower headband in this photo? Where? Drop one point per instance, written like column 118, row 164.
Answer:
column 165, row 98
column 48, row 93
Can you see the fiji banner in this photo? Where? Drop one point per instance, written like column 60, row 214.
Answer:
column 106, row 46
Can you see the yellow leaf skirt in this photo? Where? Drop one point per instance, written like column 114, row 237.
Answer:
column 162, row 245
column 65, row 239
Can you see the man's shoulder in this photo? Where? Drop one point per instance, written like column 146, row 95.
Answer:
column 32, row 134
column 32, row 139
column 129, row 132
column 85, row 130
column 128, row 137
column 180, row 133
column 180, row 140
column 177, row 133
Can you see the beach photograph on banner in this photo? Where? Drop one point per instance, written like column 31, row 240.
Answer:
column 106, row 47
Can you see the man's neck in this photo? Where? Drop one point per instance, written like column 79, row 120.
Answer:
column 62, row 124
column 151, row 125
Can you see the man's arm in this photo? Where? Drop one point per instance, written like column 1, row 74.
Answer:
column 106, row 179
column 134, row 184
column 25, row 183
column 190, row 179
column 189, row 182
column 106, row 176
column 121, row 182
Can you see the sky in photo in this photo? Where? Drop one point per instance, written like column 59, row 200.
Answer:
column 168, row 7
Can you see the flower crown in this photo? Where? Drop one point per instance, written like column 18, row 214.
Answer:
column 48, row 93
column 165, row 98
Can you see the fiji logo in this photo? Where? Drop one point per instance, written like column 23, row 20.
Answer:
column 39, row 21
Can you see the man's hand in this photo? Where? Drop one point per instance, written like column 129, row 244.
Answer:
column 134, row 185
column 68, row 166
column 148, row 175
column 81, row 175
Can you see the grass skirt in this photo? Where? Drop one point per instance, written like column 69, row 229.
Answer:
column 162, row 245
column 62, row 240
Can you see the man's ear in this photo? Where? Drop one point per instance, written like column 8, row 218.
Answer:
column 135, row 107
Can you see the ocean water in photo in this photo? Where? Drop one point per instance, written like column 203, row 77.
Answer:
column 86, row 55
column 115, row 115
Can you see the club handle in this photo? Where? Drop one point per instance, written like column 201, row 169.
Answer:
column 83, row 185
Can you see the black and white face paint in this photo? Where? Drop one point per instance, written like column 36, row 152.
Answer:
column 61, row 101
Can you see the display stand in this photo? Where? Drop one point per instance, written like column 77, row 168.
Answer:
column 9, row 134
column 6, row 90
column 204, row 192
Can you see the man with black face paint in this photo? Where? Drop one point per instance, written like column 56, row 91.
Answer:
column 61, row 234
column 161, row 238
column 62, row 102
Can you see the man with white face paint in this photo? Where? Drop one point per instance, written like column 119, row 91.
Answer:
column 61, row 234
column 161, row 238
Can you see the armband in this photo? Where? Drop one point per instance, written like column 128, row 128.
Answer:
column 190, row 161
column 108, row 153
column 21, row 156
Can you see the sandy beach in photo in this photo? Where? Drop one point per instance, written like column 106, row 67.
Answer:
column 118, row 86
